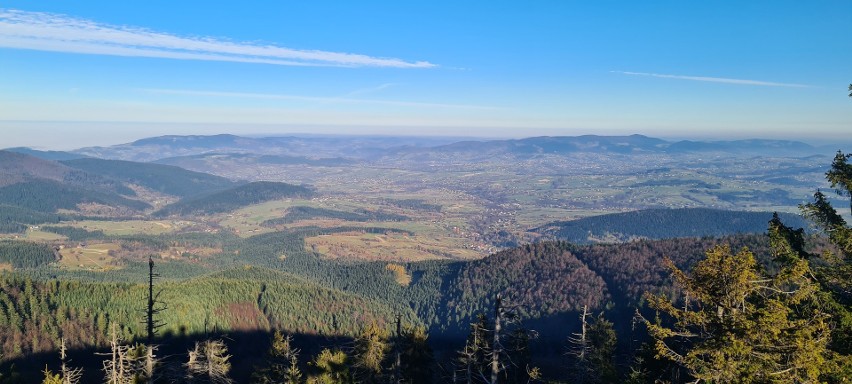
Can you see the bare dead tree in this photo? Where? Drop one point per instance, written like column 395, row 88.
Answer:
column 579, row 348
column 119, row 368
column 486, row 357
column 209, row 362
column 149, row 363
column 154, row 305
column 69, row 375
column 496, row 348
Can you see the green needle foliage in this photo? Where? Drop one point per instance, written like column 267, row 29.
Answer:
column 371, row 352
column 835, row 275
column 416, row 356
column 736, row 324
column 332, row 367
column 602, row 343
column 282, row 363
column 51, row 378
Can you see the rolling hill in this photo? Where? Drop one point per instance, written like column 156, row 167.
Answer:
column 664, row 223
column 33, row 189
column 312, row 146
column 18, row 167
column 166, row 179
column 204, row 161
column 48, row 196
column 231, row 199
column 616, row 145
column 46, row 155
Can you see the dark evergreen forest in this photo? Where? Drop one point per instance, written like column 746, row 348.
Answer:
column 230, row 199
column 665, row 223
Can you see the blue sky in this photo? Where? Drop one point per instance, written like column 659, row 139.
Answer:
column 91, row 73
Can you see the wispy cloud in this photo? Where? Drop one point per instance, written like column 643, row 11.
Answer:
column 318, row 99
column 370, row 90
column 715, row 79
column 60, row 33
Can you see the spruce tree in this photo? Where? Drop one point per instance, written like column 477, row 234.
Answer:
column 282, row 363
column 741, row 326
column 370, row 353
column 601, row 356
column 330, row 367
column 592, row 351
column 472, row 360
column 835, row 272
column 50, row 377
column 416, row 360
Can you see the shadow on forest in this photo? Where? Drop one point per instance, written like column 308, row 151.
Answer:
column 247, row 348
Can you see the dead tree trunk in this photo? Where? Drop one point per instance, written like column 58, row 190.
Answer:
column 152, row 309
column 69, row 375
column 496, row 348
column 580, row 348
column 397, row 365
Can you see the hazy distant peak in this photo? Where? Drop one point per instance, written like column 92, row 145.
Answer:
column 47, row 155
column 191, row 140
column 746, row 145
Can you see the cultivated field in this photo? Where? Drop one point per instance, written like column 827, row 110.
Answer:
column 94, row 257
column 392, row 247
column 131, row 227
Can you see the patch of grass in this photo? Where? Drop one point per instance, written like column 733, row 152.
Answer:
column 39, row 235
column 93, row 257
column 246, row 221
column 180, row 252
column 391, row 247
column 131, row 227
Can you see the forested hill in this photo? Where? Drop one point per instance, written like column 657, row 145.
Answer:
column 541, row 279
column 244, row 299
column 203, row 161
column 33, row 189
column 46, row 155
column 663, row 224
column 166, row 179
column 549, row 279
column 231, row 199
column 48, row 196
column 19, row 167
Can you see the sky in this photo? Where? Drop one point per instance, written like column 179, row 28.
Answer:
column 83, row 73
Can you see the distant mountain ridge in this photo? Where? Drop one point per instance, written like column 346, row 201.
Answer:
column 367, row 147
column 741, row 145
column 192, row 161
column 633, row 144
column 47, row 155
column 314, row 147
column 563, row 144
column 200, row 141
